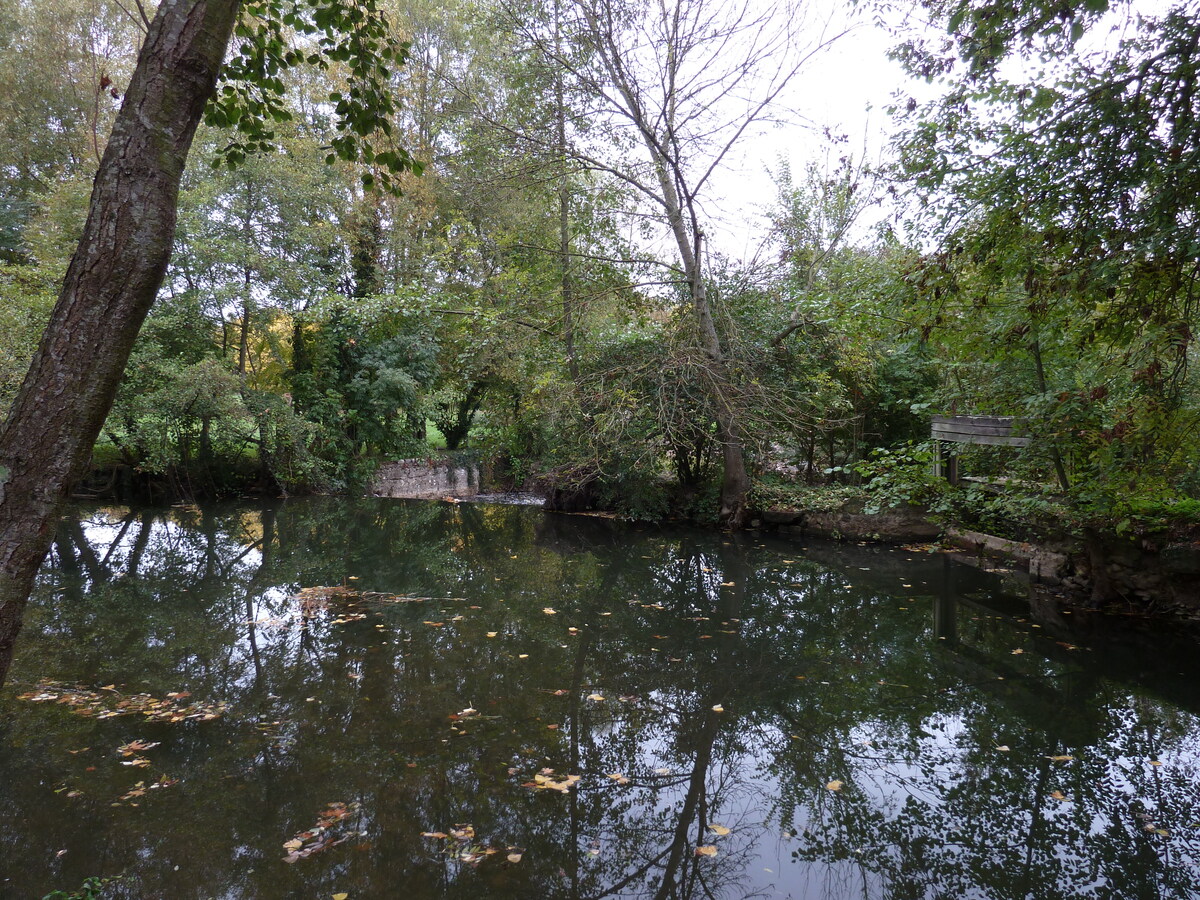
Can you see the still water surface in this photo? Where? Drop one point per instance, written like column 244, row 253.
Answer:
column 421, row 700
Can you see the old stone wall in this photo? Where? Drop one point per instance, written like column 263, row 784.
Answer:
column 424, row 479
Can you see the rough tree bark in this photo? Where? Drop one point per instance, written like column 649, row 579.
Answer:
column 110, row 285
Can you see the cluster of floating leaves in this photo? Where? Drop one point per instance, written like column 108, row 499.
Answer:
column 328, row 832
column 108, row 703
column 462, row 846
column 547, row 780
column 141, row 788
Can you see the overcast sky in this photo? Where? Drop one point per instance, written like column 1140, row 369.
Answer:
column 846, row 89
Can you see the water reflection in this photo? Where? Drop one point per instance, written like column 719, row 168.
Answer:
column 832, row 721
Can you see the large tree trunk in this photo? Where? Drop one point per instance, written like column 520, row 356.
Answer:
column 110, row 285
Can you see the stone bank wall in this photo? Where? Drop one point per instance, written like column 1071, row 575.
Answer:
column 425, row 479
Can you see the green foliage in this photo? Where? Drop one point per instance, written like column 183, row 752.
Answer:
column 365, row 368
column 91, row 889
column 774, row 492
column 1064, row 288
column 251, row 95
column 902, row 475
column 26, row 298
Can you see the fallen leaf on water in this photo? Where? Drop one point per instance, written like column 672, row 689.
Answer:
column 514, row 857
column 1003, row 748
column 596, row 697
column 1017, row 651
column 1058, row 795
column 492, row 633
column 549, row 611
column 718, row 708
column 718, row 829
column 440, row 835
column 1064, row 758
column 707, row 850
column 1156, row 762
column 342, row 896
column 835, row 785
column 522, row 656
column 619, row 778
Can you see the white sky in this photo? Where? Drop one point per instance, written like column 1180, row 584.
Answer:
column 846, row 89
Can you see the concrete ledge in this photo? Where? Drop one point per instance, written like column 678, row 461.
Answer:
column 1043, row 564
column 424, row 479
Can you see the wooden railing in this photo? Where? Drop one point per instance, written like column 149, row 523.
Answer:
column 995, row 430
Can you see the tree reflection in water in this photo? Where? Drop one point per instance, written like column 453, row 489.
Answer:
column 691, row 680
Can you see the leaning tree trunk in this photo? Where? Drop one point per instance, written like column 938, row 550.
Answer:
column 108, row 290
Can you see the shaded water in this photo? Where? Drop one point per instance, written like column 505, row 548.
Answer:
column 832, row 721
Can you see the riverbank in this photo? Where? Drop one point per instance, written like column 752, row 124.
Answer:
column 1156, row 574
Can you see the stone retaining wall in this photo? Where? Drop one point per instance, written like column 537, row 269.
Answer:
column 425, row 479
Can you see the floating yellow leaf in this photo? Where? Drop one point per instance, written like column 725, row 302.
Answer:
column 342, row 896
column 549, row 611
column 596, row 697
column 514, row 857
column 707, row 850
column 1003, row 748
column 1064, row 758
column 1058, row 795
column 718, row 829
column 835, row 785
column 1155, row 762
column 718, row 708
column 1017, row 652
column 492, row 633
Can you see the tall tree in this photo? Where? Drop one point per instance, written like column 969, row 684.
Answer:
column 126, row 242
column 687, row 80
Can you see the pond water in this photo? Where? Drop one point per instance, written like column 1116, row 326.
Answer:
column 358, row 699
